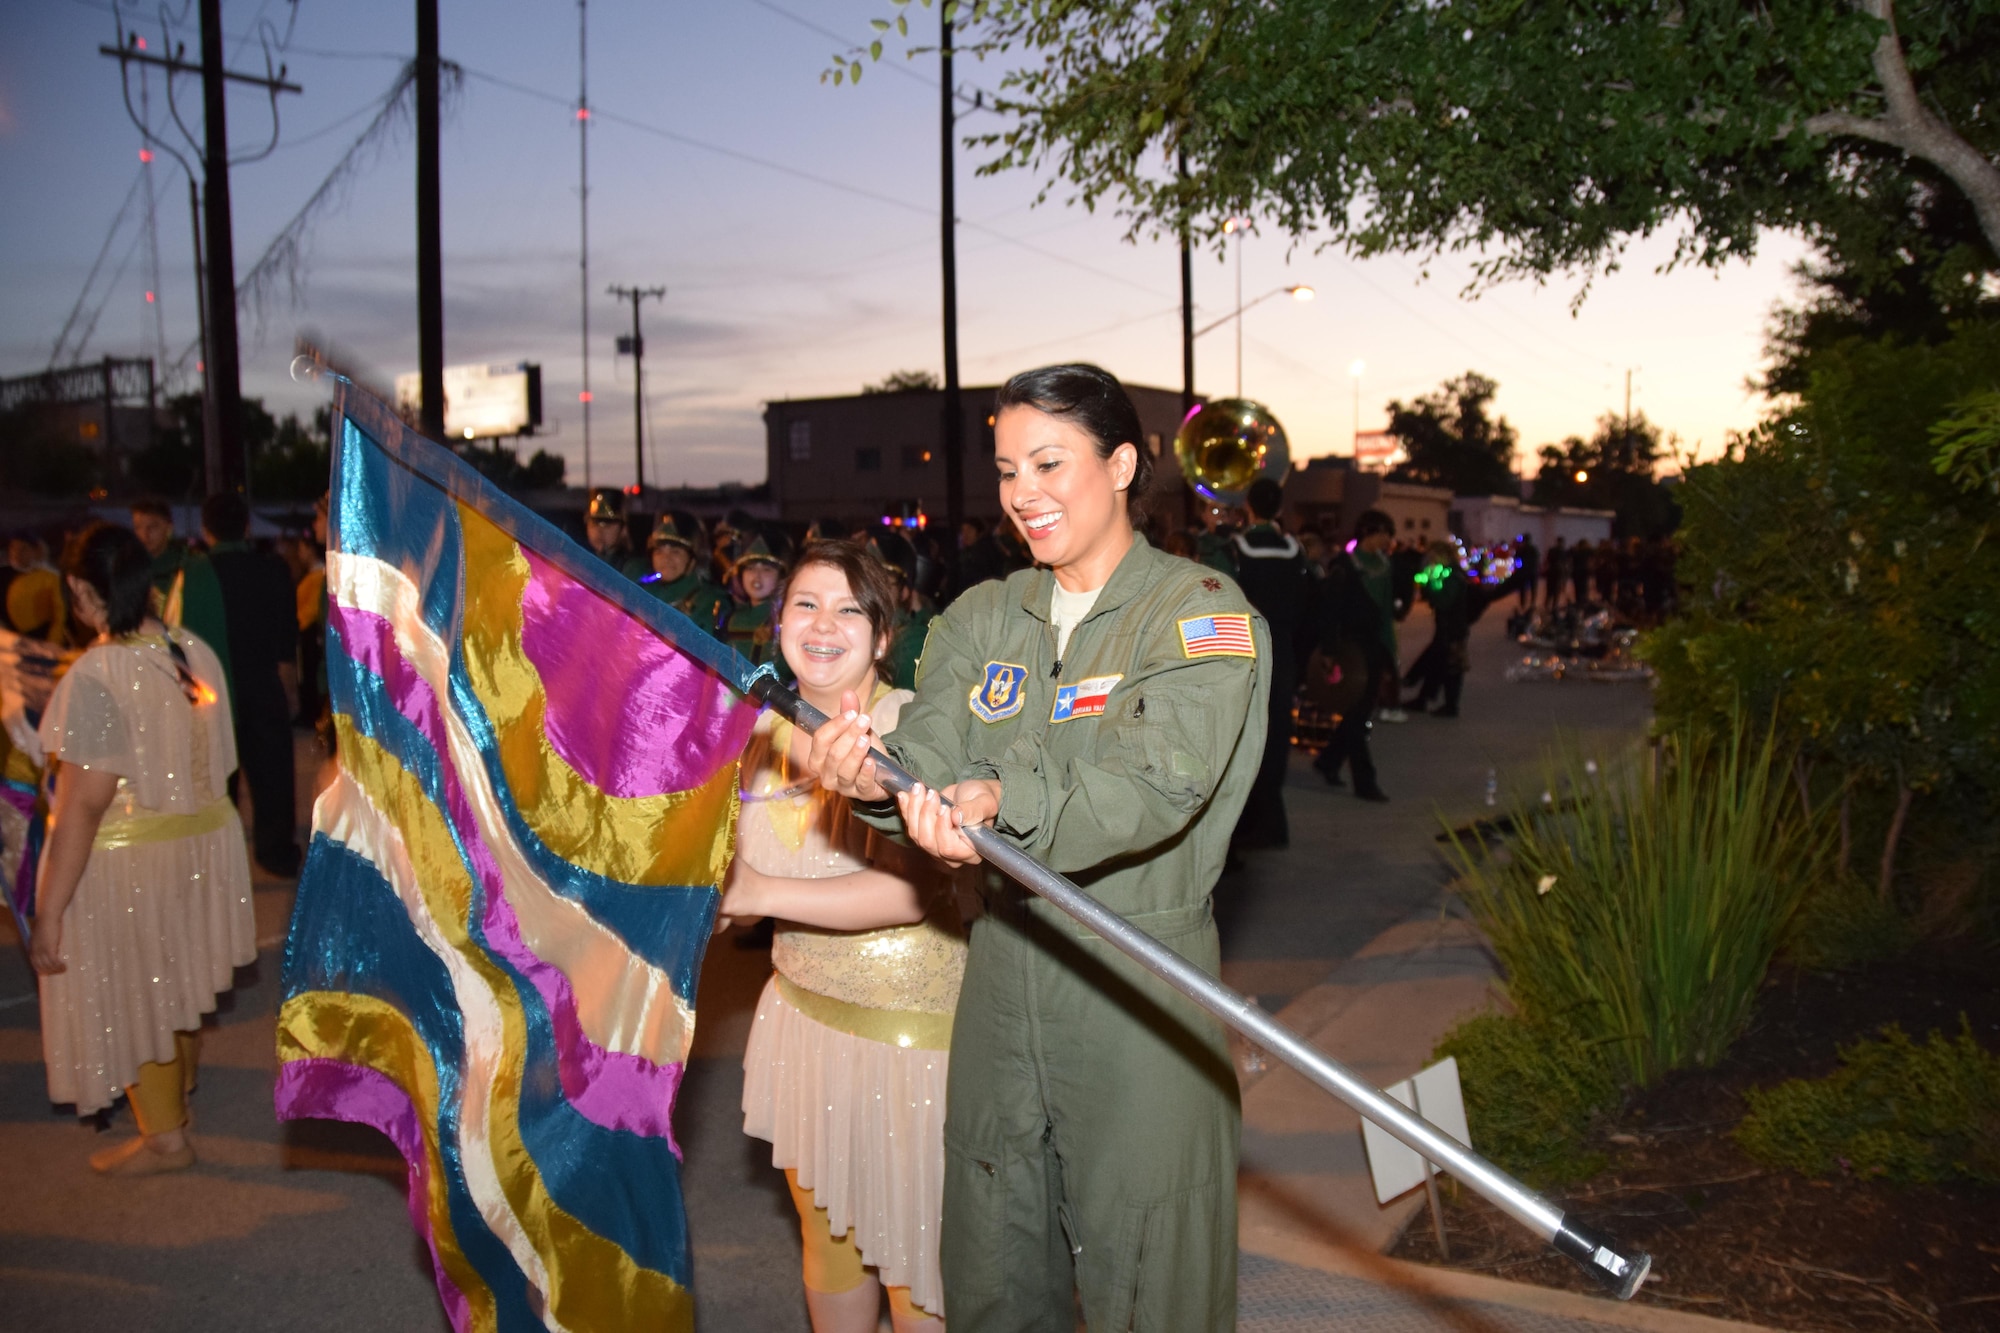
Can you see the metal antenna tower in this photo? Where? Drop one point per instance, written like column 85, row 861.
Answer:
column 583, row 208
column 152, row 225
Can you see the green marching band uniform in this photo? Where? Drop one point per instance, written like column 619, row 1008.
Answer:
column 191, row 599
column 691, row 593
column 607, row 505
column 1125, row 766
column 748, row 627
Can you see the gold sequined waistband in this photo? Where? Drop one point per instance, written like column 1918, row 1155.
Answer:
column 138, row 829
column 892, row 1027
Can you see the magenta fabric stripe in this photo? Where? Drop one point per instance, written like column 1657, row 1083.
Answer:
column 625, row 710
column 321, row 1089
column 615, row 1089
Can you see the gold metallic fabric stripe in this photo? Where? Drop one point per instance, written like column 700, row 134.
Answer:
column 362, row 1030
column 592, row 1284
column 904, row 1028
column 676, row 838
column 113, row 834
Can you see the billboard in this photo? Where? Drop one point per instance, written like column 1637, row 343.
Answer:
column 481, row 402
column 1375, row 450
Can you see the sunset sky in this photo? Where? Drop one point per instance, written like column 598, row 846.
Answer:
column 793, row 222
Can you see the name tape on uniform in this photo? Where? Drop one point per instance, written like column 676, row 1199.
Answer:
column 1217, row 636
column 1086, row 698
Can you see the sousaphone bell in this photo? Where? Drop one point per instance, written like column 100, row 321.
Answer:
column 1225, row 445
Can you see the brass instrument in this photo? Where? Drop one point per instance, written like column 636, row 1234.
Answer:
column 1225, row 445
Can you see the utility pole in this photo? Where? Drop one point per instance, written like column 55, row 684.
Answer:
column 1187, row 306
column 583, row 206
column 430, row 229
column 636, row 344
column 224, row 466
column 954, row 413
column 1628, row 398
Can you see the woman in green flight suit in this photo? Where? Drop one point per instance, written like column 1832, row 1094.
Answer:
column 1105, row 711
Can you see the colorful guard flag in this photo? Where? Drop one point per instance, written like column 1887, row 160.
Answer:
column 510, row 887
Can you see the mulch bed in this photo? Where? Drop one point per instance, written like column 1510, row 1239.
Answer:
column 1733, row 1239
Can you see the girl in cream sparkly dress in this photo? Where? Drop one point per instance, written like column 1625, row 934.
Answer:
column 845, row 1069
column 144, row 906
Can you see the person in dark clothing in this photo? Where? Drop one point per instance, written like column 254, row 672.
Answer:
column 1528, row 569
column 1580, row 556
column 1604, row 568
column 1555, row 568
column 1356, row 627
column 1456, row 601
column 259, row 607
column 1273, row 573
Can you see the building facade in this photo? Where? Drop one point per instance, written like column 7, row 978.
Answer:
column 1332, row 492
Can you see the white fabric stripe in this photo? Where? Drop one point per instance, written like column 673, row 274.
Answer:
column 624, row 1003
column 346, row 814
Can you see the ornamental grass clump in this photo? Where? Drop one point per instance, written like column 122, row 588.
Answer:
column 1643, row 913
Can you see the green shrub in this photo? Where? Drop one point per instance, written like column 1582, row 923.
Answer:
column 1531, row 1093
column 1843, row 922
column 1918, row 1114
column 1644, row 913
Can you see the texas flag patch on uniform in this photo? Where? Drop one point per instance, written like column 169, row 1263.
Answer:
column 1086, row 698
column 1217, row 636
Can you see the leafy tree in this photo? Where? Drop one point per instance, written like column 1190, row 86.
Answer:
column 1450, row 440
column 1616, row 464
column 1832, row 576
column 1542, row 135
column 502, row 465
column 904, row 381
column 172, row 464
column 40, row 457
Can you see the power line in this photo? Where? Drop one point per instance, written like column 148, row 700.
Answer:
column 721, row 150
column 110, row 235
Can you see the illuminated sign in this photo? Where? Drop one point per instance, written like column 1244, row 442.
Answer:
column 482, row 402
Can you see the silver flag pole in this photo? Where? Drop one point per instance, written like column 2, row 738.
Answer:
column 1620, row 1269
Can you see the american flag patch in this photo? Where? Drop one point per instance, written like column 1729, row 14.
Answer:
column 1217, row 636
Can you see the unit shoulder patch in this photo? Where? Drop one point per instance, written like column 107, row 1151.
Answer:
column 998, row 695
column 1217, row 636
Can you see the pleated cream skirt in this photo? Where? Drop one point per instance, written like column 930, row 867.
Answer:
column 153, row 935
column 862, row 1122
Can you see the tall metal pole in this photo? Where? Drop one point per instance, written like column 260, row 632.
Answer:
column 1187, row 307
column 954, row 413
column 430, row 228
column 636, row 295
column 200, row 305
column 222, row 431
column 583, row 208
column 1239, row 312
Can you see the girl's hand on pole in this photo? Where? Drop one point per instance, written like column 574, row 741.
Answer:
column 839, row 755
column 45, row 946
column 940, row 831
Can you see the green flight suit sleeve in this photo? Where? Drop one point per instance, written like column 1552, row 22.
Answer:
column 1162, row 748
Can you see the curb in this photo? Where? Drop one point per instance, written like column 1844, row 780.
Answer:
column 1448, row 1285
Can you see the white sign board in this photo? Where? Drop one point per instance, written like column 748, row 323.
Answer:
column 1433, row 1094
column 481, row 402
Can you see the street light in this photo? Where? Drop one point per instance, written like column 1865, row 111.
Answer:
column 1354, row 445
column 1230, row 227
column 1298, row 291
column 1582, row 476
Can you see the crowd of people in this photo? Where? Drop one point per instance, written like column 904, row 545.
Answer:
column 974, row 1101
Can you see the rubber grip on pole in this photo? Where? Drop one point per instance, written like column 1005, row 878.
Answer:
column 1622, row 1273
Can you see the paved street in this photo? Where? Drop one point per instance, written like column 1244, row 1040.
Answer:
column 1347, row 933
